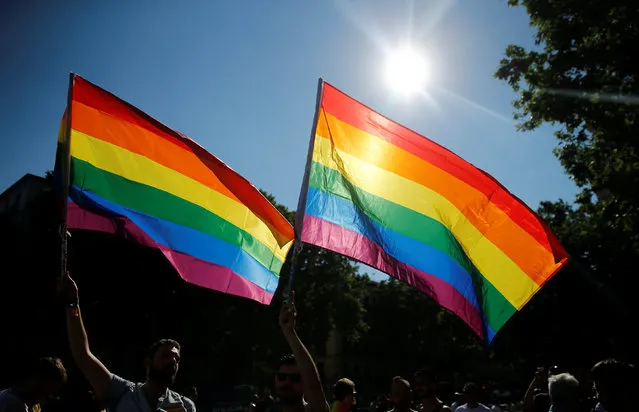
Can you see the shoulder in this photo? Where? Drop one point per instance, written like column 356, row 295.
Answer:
column 188, row 404
column 442, row 407
column 177, row 398
column 9, row 400
column 117, row 380
column 484, row 407
column 119, row 387
column 125, row 383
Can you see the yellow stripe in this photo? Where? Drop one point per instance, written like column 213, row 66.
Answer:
column 519, row 245
column 137, row 168
column 496, row 267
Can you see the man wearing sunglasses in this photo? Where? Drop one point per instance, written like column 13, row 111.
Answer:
column 297, row 381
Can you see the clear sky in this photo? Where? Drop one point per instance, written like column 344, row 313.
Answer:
column 240, row 78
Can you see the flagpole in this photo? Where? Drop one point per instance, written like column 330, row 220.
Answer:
column 65, row 166
column 301, row 205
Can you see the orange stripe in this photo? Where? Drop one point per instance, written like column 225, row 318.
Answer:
column 93, row 96
column 350, row 111
column 139, row 140
column 489, row 219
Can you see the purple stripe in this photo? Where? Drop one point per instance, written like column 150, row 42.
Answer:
column 192, row 270
column 340, row 240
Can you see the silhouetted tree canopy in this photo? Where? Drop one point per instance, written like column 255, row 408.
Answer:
column 582, row 78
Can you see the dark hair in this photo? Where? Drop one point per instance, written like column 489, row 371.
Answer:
column 286, row 360
column 611, row 373
column 48, row 369
column 427, row 374
column 343, row 388
column 472, row 388
column 399, row 379
column 162, row 342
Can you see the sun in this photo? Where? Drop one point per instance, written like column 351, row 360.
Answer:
column 406, row 71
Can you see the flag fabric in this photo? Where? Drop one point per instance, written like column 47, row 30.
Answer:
column 133, row 176
column 381, row 194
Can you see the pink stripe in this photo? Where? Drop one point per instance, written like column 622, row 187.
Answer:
column 192, row 270
column 340, row 240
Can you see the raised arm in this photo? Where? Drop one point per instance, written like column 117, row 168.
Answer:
column 529, row 397
column 313, row 390
column 94, row 371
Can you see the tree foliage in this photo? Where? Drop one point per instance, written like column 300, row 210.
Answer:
column 582, row 78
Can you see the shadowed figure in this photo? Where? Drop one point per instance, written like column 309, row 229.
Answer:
column 162, row 362
column 35, row 386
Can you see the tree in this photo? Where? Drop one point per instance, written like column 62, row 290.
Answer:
column 582, row 77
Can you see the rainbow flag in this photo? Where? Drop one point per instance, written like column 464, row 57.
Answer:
column 133, row 176
column 381, row 194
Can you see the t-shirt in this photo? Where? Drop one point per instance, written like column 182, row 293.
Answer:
column 126, row 396
column 479, row 408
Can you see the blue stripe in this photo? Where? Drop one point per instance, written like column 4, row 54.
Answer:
column 490, row 333
column 184, row 240
column 343, row 213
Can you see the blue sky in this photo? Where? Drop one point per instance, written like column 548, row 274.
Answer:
column 240, row 78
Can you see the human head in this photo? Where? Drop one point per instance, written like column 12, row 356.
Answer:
column 425, row 384
column 401, row 394
column 163, row 361
column 471, row 392
column 563, row 390
column 42, row 379
column 615, row 384
column 288, row 381
column 344, row 391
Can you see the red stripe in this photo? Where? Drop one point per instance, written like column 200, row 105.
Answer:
column 91, row 95
column 358, row 115
column 329, row 236
column 192, row 270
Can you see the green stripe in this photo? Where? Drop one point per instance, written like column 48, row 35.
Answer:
column 163, row 205
column 424, row 229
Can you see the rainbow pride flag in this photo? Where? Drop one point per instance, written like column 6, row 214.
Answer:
column 381, row 194
column 133, row 176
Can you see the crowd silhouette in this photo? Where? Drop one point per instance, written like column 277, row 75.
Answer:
column 297, row 386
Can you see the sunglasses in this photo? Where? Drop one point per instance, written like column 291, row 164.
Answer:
column 293, row 377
